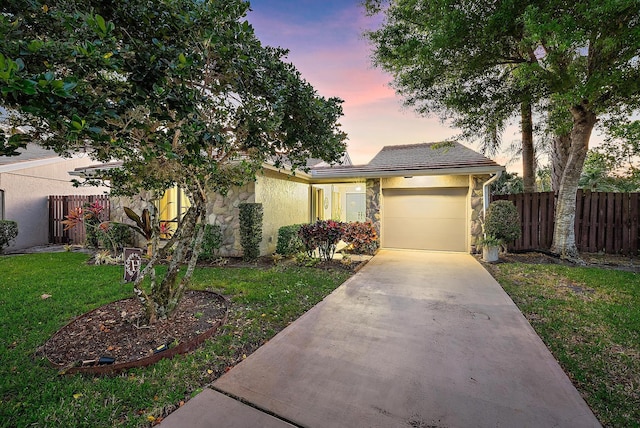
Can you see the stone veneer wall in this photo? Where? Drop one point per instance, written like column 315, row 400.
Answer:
column 223, row 210
column 373, row 202
column 477, row 218
column 137, row 204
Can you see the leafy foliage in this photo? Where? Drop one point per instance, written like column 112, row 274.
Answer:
column 180, row 92
column 289, row 242
column 117, row 234
column 576, row 61
column 502, row 221
column 322, row 235
column 92, row 220
column 8, row 232
column 143, row 223
column 362, row 236
column 615, row 165
column 211, row 241
column 250, row 230
column 507, row 184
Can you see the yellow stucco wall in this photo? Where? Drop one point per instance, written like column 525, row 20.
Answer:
column 285, row 201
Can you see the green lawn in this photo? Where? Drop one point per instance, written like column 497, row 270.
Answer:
column 33, row 394
column 590, row 320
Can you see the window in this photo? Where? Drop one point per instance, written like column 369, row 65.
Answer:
column 1, row 204
column 172, row 207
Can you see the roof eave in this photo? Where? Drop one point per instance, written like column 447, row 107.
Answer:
column 364, row 173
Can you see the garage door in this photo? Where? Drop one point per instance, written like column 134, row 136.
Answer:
column 425, row 219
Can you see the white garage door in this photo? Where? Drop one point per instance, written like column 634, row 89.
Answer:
column 425, row 219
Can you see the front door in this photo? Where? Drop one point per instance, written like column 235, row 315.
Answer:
column 356, row 207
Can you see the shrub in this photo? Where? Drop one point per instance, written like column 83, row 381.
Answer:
column 250, row 230
column 8, row 232
column 117, row 235
column 502, row 221
column 92, row 220
column 304, row 259
column 323, row 235
column 289, row 241
column 211, row 241
column 362, row 237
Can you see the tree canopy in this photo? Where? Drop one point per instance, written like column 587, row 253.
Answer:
column 475, row 62
column 180, row 91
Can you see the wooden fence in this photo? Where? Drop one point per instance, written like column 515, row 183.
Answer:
column 604, row 221
column 61, row 206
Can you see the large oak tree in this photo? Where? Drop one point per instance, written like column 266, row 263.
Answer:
column 180, row 91
column 580, row 60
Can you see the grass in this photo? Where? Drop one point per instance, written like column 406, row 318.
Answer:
column 33, row 394
column 590, row 320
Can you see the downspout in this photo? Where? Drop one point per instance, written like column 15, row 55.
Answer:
column 485, row 192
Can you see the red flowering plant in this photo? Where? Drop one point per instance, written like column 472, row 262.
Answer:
column 89, row 216
column 323, row 235
column 362, row 237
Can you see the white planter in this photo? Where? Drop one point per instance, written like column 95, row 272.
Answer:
column 490, row 254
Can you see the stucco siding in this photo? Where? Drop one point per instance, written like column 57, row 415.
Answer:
column 25, row 197
column 285, row 201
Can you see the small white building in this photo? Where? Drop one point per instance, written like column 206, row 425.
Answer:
column 27, row 180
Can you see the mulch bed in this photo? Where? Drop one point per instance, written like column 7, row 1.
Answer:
column 115, row 330
column 266, row 262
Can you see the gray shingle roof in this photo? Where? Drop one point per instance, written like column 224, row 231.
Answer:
column 425, row 158
column 32, row 152
column 429, row 156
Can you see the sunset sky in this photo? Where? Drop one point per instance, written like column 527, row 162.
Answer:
column 326, row 44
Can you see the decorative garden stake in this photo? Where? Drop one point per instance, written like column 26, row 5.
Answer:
column 132, row 263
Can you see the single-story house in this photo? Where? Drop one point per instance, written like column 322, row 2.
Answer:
column 26, row 182
column 426, row 196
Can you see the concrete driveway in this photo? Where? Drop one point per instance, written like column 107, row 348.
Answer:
column 415, row 339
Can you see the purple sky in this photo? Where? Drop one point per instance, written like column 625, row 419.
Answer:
column 327, row 46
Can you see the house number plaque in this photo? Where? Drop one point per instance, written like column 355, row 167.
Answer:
column 132, row 263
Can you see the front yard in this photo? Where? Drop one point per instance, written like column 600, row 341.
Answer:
column 590, row 320
column 32, row 393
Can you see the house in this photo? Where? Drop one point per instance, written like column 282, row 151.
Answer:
column 26, row 182
column 421, row 196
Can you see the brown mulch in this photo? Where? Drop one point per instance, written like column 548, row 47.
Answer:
column 115, row 330
column 266, row 262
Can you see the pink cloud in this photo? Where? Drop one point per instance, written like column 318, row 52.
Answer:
column 334, row 57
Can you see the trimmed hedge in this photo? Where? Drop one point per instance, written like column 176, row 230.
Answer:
column 211, row 241
column 289, row 242
column 8, row 232
column 251, row 229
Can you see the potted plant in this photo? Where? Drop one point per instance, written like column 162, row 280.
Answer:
column 490, row 248
column 501, row 226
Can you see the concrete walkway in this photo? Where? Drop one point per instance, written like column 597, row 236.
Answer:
column 415, row 339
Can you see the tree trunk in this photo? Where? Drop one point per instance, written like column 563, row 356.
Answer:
column 564, row 239
column 528, row 158
column 559, row 159
column 163, row 297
